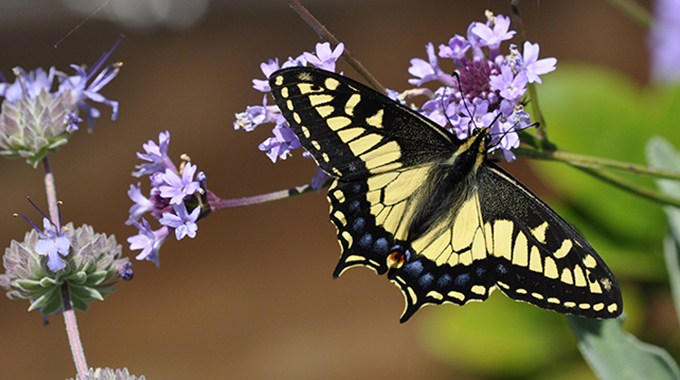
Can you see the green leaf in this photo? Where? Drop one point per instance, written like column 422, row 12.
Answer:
column 661, row 154
column 615, row 354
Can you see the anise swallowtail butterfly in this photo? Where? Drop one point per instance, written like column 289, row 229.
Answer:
column 432, row 211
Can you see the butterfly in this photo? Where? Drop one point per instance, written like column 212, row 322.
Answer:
column 435, row 212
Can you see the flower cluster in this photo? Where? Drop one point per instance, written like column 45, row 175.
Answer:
column 487, row 90
column 284, row 139
column 38, row 267
column 36, row 120
column 176, row 199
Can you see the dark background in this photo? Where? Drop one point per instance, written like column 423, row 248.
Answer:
column 251, row 297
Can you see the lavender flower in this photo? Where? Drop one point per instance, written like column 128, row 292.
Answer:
column 54, row 244
column 663, row 41
column 34, row 120
column 183, row 222
column 176, row 200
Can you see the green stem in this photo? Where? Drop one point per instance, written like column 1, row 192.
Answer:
column 596, row 163
column 634, row 11
column 328, row 36
column 634, row 188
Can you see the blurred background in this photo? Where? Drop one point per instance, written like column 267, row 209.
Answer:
column 252, row 297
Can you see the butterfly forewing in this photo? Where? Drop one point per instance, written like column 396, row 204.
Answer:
column 352, row 131
column 431, row 211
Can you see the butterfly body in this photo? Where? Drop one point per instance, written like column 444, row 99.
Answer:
column 432, row 211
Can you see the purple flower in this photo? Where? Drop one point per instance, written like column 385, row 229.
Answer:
column 142, row 203
column 267, row 69
column 148, row 241
column 325, row 57
column 493, row 32
column 157, row 155
column 428, row 71
column 256, row 115
column 177, row 188
column 456, row 49
column 281, row 144
column 183, row 222
column 532, row 66
column 55, row 245
column 663, row 41
column 509, row 85
column 79, row 84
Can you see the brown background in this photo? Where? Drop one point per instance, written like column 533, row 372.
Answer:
column 251, row 297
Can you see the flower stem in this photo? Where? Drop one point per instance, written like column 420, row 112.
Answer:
column 216, row 203
column 596, row 167
column 328, row 36
column 72, row 332
column 51, row 191
column 596, row 163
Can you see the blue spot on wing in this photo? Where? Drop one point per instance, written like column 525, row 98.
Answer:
column 444, row 280
column 462, row 279
column 414, row 269
column 425, row 280
column 380, row 246
column 480, row 271
column 359, row 224
column 354, row 207
column 366, row 241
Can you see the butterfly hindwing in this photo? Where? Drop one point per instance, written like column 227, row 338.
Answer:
column 537, row 257
column 433, row 212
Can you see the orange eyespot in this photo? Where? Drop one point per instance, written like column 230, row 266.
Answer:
column 396, row 259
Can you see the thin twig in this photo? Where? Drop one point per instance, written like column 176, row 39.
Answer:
column 328, row 36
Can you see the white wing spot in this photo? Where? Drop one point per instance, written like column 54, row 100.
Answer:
column 331, row 83
column 539, row 232
column 564, row 249
column 478, row 289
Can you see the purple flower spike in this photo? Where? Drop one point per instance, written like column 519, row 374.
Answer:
column 179, row 187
